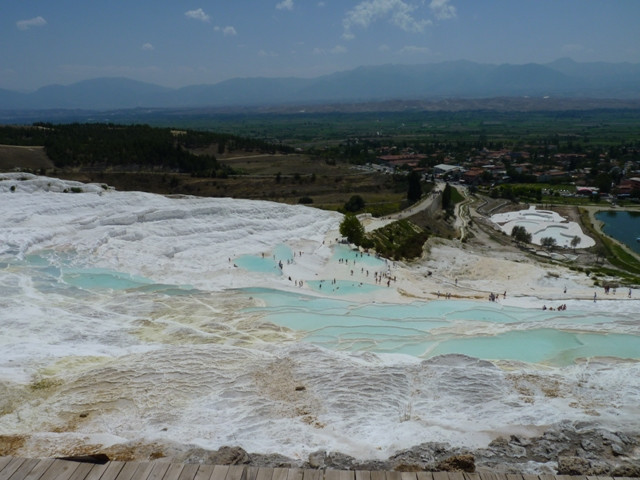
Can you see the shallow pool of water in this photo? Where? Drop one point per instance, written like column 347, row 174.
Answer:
column 355, row 257
column 425, row 329
column 343, row 287
column 254, row 263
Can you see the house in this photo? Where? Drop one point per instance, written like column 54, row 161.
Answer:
column 473, row 176
column 443, row 169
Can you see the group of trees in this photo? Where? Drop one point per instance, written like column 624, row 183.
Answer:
column 105, row 145
column 352, row 229
column 516, row 192
column 132, row 146
column 520, row 235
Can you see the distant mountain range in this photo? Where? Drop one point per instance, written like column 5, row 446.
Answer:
column 459, row 79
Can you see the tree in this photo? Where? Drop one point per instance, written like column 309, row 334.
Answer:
column 548, row 242
column 520, row 234
column 575, row 241
column 355, row 204
column 414, row 191
column 352, row 229
column 446, row 197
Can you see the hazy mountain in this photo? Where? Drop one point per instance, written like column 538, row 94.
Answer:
column 96, row 94
column 460, row 79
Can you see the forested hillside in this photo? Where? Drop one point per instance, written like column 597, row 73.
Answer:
column 131, row 147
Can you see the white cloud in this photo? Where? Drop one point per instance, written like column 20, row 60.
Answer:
column 337, row 50
column 322, row 4
column 572, row 48
column 197, row 15
column 32, row 22
column 285, row 5
column 397, row 12
column 442, row 10
column 226, row 31
column 414, row 50
column 147, row 46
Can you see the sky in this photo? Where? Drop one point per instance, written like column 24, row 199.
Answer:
column 192, row 42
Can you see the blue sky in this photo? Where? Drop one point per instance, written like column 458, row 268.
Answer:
column 182, row 43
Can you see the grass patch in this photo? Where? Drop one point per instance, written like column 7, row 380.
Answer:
column 456, row 196
column 399, row 240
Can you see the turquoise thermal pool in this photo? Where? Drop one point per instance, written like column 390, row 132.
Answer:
column 425, row 329
column 421, row 329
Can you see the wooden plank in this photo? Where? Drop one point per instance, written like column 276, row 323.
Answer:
column 24, row 469
column 4, row 461
column 11, row 467
column 396, row 476
column 493, row 476
column 332, row 475
column 83, row 471
column 440, row 476
column 158, row 471
column 408, row 476
column 570, row 477
column 204, row 472
column 529, row 476
column 112, row 470
column 60, row 470
column 96, row 471
column 220, row 472
column 264, row 473
column 280, row 474
column 366, row 475
column 236, row 472
column 144, row 470
column 173, row 472
column 347, row 475
column 128, row 470
column 311, row 474
column 472, row 476
column 378, row 475
column 295, row 474
column 39, row 469
column 340, row 475
column 426, row 476
column 456, row 476
column 188, row 472
column 252, row 473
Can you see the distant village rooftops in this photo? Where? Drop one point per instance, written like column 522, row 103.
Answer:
column 402, row 159
column 443, row 168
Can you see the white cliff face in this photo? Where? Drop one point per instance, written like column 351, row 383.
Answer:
column 121, row 321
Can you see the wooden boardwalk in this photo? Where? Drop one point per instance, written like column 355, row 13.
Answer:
column 14, row 468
